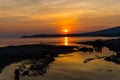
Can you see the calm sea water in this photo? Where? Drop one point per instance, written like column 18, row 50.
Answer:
column 56, row 41
column 69, row 66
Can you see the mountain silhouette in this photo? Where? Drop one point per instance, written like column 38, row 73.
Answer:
column 111, row 32
column 115, row 31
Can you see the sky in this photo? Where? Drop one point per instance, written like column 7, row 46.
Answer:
column 27, row 17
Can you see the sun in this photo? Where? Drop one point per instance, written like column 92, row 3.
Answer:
column 65, row 30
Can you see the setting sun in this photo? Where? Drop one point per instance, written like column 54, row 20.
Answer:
column 65, row 30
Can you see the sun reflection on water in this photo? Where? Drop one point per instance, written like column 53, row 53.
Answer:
column 66, row 41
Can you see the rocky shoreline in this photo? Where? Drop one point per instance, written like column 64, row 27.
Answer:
column 113, row 45
column 47, row 53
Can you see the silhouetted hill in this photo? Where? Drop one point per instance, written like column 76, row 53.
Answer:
column 115, row 31
column 111, row 32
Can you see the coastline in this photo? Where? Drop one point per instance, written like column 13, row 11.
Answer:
column 48, row 53
column 113, row 45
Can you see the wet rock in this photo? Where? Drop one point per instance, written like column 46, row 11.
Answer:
column 26, row 72
column 17, row 72
column 109, row 70
column 84, row 49
column 113, row 58
column 17, row 77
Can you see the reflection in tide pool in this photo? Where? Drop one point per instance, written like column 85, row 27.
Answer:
column 68, row 66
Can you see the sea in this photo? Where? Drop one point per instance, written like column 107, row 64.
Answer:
column 70, row 66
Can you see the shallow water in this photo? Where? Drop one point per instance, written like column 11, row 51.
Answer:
column 68, row 66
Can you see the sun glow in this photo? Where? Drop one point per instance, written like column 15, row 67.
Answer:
column 66, row 25
column 65, row 30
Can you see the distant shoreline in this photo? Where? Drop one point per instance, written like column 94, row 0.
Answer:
column 111, row 32
column 53, row 36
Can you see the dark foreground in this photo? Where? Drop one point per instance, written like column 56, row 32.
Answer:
column 42, row 53
column 39, row 56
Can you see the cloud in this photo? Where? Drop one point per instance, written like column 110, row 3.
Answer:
column 48, row 9
column 45, row 9
column 19, row 15
column 13, row 18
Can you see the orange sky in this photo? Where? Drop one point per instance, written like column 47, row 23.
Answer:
column 26, row 17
